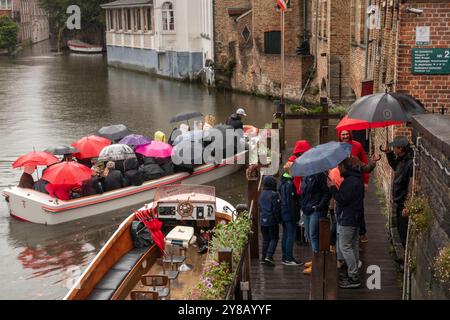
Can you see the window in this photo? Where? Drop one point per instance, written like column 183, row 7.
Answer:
column 111, row 19
column 272, row 42
column 148, row 19
column 168, row 18
column 137, row 19
column 128, row 18
column 5, row 4
column 119, row 12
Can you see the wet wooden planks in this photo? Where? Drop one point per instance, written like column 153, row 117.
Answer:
column 288, row 282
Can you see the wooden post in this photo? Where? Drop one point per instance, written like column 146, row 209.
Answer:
column 324, row 235
column 254, row 238
column 324, row 272
column 226, row 255
column 324, row 123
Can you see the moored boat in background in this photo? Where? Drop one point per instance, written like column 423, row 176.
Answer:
column 83, row 47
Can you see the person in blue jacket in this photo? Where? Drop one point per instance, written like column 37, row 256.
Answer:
column 315, row 201
column 269, row 218
column 290, row 215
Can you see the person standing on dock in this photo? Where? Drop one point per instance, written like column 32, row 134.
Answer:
column 358, row 152
column 290, row 216
column 269, row 215
column 315, row 201
column 349, row 210
column 235, row 120
column 401, row 161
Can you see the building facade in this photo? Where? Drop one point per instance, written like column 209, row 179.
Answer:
column 168, row 38
column 248, row 46
column 6, row 8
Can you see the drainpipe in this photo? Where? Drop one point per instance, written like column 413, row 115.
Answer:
column 366, row 38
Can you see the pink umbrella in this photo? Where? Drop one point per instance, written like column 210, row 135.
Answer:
column 156, row 149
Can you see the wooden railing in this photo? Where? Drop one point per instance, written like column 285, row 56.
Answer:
column 240, row 288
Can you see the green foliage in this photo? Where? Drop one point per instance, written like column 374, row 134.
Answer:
column 228, row 68
column 420, row 214
column 338, row 109
column 442, row 265
column 8, row 34
column 216, row 278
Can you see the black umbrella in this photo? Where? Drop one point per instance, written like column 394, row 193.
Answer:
column 381, row 107
column 114, row 132
column 61, row 150
column 183, row 116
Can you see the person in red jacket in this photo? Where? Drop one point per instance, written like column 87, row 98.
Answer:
column 300, row 147
column 357, row 152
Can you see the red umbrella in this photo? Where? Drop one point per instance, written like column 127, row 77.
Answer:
column 90, row 147
column 153, row 225
column 67, row 173
column 357, row 124
column 36, row 158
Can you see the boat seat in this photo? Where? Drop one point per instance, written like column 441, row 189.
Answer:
column 157, row 283
column 101, row 294
column 129, row 260
column 112, row 280
column 171, row 274
column 174, row 259
column 144, row 295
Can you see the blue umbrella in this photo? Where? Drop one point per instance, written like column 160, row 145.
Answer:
column 321, row 158
column 135, row 140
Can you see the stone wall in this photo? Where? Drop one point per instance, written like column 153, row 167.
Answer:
column 433, row 157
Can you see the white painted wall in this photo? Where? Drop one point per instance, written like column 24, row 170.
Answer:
column 193, row 18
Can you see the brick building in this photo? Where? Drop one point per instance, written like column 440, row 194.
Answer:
column 32, row 20
column 6, row 8
column 248, row 45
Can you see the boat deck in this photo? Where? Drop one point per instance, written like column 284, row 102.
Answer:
column 182, row 285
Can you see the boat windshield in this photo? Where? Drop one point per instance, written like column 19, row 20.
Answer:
column 192, row 191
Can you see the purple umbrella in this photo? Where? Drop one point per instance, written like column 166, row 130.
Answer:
column 135, row 140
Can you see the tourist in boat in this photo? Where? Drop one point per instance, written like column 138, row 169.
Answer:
column 314, row 204
column 290, row 215
column 182, row 129
column 269, row 211
column 26, row 180
column 61, row 192
column 113, row 178
column 349, row 210
column 40, row 186
column 401, row 160
column 94, row 184
column 151, row 169
column 166, row 165
column 357, row 152
column 133, row 176
column 209, row 122
column 235, row 120
column 86, row 161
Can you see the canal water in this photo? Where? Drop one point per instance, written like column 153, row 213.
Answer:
column 48, row 99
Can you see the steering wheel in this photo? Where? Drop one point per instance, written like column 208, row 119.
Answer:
column 185, row 209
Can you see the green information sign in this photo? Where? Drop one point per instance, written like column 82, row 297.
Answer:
column 431, row 61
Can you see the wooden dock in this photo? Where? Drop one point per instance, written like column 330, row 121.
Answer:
column 282, row 282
